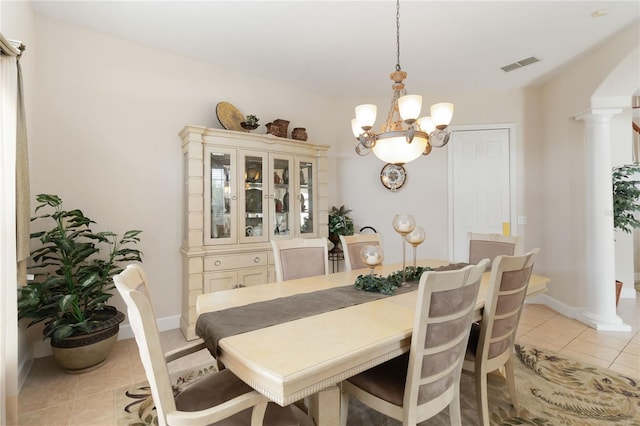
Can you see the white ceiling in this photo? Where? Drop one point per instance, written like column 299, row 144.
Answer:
column 347, row 48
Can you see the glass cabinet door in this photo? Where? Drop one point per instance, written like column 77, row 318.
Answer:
column 282, row 206
column 307, row 187
column 255, row 197
column 220, row 196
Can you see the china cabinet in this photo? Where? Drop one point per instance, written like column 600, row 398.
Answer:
column 241, row 191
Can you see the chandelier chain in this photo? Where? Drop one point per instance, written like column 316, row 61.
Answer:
column 398, row 35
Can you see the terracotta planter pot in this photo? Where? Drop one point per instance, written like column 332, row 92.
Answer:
column 86, row 352
column 618, row 291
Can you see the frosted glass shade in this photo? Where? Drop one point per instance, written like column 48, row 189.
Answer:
column 366, row 115
column 395, row 149
column 356, row 128
column 409, row 107
column 441, row 114
column 426, row 124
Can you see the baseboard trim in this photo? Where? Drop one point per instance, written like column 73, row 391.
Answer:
column 556, row 305
column 24, row 368
column 164, row 324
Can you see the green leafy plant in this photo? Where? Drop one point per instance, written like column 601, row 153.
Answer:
column 388, row 284
column 626, row 193
column 73, row 269
column 339, row 221
column 251, row 120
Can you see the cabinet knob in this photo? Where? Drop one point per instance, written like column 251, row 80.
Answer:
column 256, row 259
column 233, row 197
column 271, row 196
column 217, row 263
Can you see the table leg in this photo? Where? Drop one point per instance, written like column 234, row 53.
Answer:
column 325, row 407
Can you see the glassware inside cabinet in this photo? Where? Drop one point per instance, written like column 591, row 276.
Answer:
column 306, row 197
column 221, row 206
column 282, row 203
column 254, row 181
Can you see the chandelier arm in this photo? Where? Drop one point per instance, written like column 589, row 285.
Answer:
column 439, row 138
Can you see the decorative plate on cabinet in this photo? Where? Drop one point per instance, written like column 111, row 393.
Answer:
column 253, row 200
column 229, row 116
column 393, row 176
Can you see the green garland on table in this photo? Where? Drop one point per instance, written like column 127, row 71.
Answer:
column 388, row 284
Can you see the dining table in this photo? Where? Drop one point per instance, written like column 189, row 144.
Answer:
column 289, row 343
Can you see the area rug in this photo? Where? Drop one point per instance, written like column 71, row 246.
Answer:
column 553, row 389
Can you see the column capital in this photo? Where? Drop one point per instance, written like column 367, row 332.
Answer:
column 593, row 114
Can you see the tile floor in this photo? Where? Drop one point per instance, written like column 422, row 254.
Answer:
column 49, row 396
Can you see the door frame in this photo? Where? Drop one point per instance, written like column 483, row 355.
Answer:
column 513, row 196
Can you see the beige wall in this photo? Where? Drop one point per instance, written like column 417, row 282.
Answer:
column 108, row 116
column 565, row 96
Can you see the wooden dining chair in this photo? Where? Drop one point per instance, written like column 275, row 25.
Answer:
column 416, row 386
column 300, row 258
column 220, row 398
column 489, row 246
column 352, row 245
column 491, row 340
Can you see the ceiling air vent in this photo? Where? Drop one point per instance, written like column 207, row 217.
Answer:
column 521, row 63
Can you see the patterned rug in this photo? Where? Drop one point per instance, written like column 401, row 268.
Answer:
column 552, row 389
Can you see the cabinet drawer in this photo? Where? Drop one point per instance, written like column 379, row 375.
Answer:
column 234, row 261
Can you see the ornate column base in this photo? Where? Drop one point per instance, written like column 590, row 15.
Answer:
column 601, row 323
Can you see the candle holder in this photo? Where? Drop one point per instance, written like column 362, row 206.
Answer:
column 403, row 224
column 415, row 238
column 372, row 255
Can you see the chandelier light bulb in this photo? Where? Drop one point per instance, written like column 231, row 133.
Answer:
column 366, row 115
column 426, row 124
column 441, row 114
column 409, row 107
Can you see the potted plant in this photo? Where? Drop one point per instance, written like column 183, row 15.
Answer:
column 626, row 194
column 339, row 224
column 73, row 268
column 250, row 122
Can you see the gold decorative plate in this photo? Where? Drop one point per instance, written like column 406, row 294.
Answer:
column 229, row 116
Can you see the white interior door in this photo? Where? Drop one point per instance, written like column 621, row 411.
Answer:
column 480, row 185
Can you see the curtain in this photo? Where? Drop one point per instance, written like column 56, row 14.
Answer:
column 23, row 191
column 11, row 119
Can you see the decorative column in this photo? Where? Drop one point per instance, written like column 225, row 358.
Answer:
column 600, row 312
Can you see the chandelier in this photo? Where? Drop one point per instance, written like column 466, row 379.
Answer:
column 405, row 135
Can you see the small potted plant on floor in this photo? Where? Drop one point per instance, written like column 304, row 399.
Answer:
column 339, row 224
column 626, row 195
column 73, row 268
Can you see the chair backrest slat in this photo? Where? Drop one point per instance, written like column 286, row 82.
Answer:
column 444, row 311
column 490, row 246
column 300, row 258
column 508, row 288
